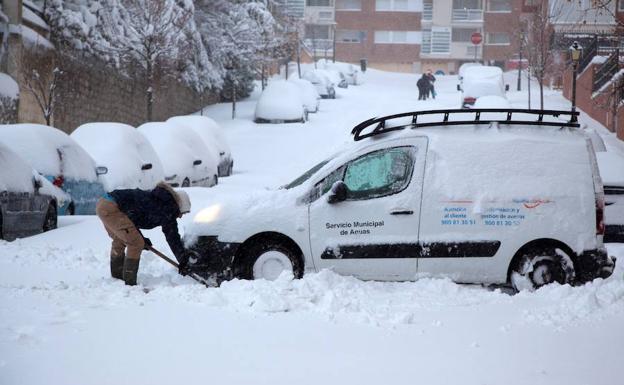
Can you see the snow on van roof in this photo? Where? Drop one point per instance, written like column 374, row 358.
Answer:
column 49, row 151
column 123, row 150
column 15, row 173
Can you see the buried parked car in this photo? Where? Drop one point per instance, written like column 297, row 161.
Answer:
column 351, row 73
column 59, row 158
column 212, row 135
column 129, row 157
column 280, row 102
column 25, row 207
column 479, row 81
column 186, row 159
column 406, row 198
column 310, row 97
column 321, row 82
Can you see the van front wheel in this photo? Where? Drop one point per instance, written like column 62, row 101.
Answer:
column 537, row 268
column 269, row 260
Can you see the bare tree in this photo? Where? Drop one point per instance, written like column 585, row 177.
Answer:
column 153, row 40
column 41, row 76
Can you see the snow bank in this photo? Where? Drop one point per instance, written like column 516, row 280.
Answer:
column 49, row 151
column 611, row 165
column 15, row 173
column 178, row 147
column 8, row 87
column 131, row 152
column 308, row 94
column 280, row 101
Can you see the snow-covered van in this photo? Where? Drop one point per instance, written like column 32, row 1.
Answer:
column 479, row 81
column 512, row 199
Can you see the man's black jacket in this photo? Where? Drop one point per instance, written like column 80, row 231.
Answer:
column 149, row 209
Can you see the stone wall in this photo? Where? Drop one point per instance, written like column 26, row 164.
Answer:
column 90, row 91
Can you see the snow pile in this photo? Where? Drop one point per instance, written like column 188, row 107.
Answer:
column 8, row 87
column 280, row 101
column 15, row 173
column 179, row 147
column 50, row 151
column 308, row 94
column 131, row 152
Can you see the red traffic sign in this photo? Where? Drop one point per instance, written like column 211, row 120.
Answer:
column 476, row 38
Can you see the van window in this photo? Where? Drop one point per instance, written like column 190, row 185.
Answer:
column 379, row 173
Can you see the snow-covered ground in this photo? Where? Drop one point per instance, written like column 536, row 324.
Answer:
column 63, row 320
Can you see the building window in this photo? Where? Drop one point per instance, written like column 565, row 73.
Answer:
column 314, row 31
column 499, row 6
column 462, row 35
column 427, row 10
column 498, row 38
column 467, row 4
column 398, row 5
column 621, row 5
column 319, row 3
column 397, row 37
column 350, row 36
column 440, row 40
column 348, row 5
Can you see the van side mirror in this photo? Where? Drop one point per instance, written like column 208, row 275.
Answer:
column 197, row 162
column 458, row 88
column 101, row 170
column 146, row 166
column 506, row 87
column 338, row 192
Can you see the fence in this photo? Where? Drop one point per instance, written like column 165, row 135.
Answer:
column 606, row 71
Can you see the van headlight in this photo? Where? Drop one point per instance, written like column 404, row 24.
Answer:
column 208, row 215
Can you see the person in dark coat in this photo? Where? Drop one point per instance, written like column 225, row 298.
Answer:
column 431, row 88
column 423, row 87
column 124, row 212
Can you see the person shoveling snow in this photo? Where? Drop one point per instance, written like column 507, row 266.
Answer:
column 124, row 212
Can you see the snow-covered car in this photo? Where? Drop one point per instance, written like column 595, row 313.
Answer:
column 611, row 166
column 481, row 81
column 427, row 198
column 336, row 77
column 323, row 85
column 186, row 159
column 212, row 135
column 280, row 102
column 61, row 160
column 310, row 97
column 25, row 207
column 463, row 67
column 128, row 156
column 350, row 72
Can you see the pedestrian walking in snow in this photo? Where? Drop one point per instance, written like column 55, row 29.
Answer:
column 431, row 80
column 124, row 212
column 423, row 86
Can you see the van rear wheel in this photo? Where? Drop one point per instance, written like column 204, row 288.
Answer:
column 537, row 268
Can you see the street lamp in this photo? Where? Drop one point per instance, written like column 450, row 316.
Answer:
column 520, row 60
column 575, row 54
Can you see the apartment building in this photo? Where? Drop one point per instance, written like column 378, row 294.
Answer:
column 387, row 33
column 320, row 24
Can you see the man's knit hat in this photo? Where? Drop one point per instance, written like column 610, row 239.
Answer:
column 184, row 203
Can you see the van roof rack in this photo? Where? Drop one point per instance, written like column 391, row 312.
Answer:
column 381, row 128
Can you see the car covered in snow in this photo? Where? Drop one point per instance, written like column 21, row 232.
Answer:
column 337, row 78
column 464, row 67
column 280, row 102
column 127, row 155
column 309, row 96
column 349, row 72
column 61, row 160
column 322, row 83
column 26, row 207
column 611, row 164
column 429, row 193
column 213, row 137
column 479, row 81
column 185, row 158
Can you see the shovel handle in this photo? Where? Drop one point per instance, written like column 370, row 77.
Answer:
column 177, row 266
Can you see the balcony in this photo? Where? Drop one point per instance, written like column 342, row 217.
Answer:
column 320, row 15
column 467, row 15
column 427, row 14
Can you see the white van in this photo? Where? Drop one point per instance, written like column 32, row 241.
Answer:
column 508, row 200
column 478, row 81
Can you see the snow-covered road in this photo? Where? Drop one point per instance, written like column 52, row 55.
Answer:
column 63, row 320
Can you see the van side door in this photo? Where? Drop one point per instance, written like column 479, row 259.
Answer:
column 373, row 233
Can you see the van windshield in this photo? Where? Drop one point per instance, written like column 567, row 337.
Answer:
column 306, row 175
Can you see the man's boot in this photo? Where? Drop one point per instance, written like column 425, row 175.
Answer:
column 116, row 266
column 130, row 270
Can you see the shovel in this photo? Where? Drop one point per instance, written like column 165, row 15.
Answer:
column 195, row 276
